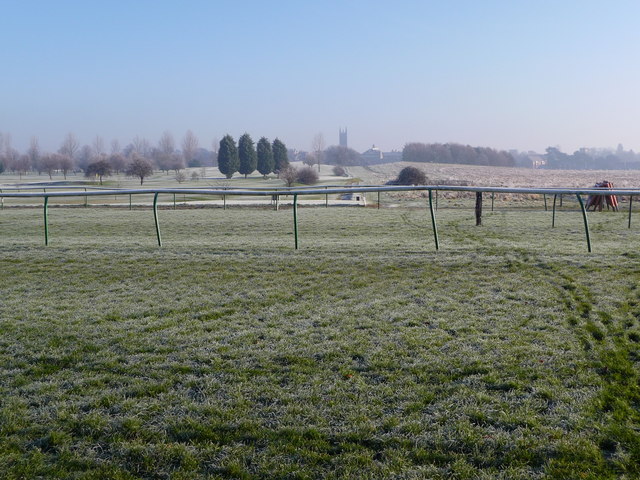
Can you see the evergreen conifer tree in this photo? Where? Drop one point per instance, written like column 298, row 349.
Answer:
column 228, row 162
column 280, row 156
column 265, row 157
column 247, row 155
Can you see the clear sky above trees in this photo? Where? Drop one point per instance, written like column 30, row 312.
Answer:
column 504, row 74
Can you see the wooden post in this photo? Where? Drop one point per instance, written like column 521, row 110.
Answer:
column 478, row 209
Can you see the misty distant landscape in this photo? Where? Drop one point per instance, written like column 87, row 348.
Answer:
column 320, row 240
column 168, row 155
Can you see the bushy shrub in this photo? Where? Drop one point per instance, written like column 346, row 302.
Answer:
column 288, row 175
column 411, row 176
column 339, row 171
column 307, row 175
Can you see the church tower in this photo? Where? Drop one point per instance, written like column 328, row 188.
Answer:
column 343, row 137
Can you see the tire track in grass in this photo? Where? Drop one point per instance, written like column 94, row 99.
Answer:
column 613, row 418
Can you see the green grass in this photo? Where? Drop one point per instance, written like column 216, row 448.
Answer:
column 510, row 353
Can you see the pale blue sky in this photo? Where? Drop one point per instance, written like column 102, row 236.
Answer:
column 505, row 74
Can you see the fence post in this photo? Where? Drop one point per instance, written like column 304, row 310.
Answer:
column 433, row 220
column 224, row 202
column 478, row 209
column 46, row 220
column 586, row 222
column 1, row 201
column 174, row 201
column 378, row 199
column 295, row 220
column 155, row 217
column 630, row 203
column 492, row 201
column 544, row 195
column 86, row 199
column 553, row 214
column 129, row 201
column 326, row 199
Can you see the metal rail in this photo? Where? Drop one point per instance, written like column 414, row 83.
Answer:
column 296, row 191
column 323, row 191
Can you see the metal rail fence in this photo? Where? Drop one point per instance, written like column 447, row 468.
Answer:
column 328, row 190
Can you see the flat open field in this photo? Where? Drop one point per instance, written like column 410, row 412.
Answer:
column 510, row 353
column 446, row 174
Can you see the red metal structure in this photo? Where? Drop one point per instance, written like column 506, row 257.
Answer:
column 598, row 201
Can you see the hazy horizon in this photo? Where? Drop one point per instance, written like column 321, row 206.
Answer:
column 507, row 75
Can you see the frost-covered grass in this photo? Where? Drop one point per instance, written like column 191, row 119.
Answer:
column 510, row 353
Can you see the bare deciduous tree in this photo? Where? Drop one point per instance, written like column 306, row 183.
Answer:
column 317, row 147
column 115, row 147
column 34, row 154
column 117, row 162
column 214, row 151
column 98, row 146
column 84, row 157
column 141, row 146
column 289, row 175
column 50, row 163
column 66, row 164
column 70, row 146
column 99, row 169
column 139, row 167
column 189, row 146
column 22, row 165
column 166, row 144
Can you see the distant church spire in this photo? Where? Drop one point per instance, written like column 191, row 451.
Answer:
column 343, row 137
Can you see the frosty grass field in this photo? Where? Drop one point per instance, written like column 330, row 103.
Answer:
column 510, row 353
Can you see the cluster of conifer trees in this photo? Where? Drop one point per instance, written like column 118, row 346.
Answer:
column 245, row 158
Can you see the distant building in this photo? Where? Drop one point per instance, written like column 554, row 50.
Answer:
column 343, row 138
column 392, row 156
column 537, row 161
column 372, row 156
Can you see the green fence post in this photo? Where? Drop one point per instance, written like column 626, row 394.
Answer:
column 630, row 203
column 155, row 217
column 433, row 220
column 295, row 220
column 46, row 220
column 586, row 222
column 378, row 200
column 553, row 214
column 326, row 199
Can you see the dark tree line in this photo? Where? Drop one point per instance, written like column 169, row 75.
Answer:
column 456, row 153
column 592, row 159
column 342, row 156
